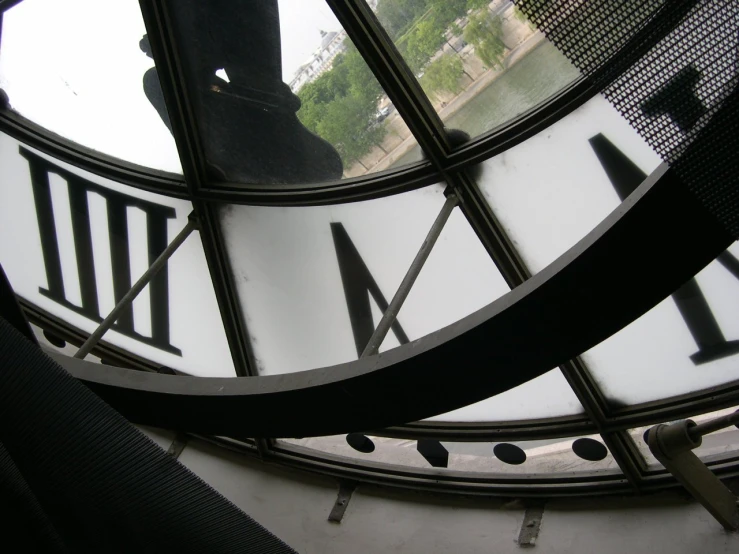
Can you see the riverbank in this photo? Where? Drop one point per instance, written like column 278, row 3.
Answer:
column 401, row 149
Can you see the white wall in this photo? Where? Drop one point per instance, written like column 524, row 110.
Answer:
column 295, row 506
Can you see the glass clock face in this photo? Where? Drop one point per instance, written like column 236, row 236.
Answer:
column 281, row 99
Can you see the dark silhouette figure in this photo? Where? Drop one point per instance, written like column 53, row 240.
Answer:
column 248, row 124
column 152, row 87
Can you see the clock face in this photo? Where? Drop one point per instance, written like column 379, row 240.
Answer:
column 80, row 241
column 313, row 282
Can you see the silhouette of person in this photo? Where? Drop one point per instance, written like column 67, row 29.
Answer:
column 152, row 87
column 248, row 124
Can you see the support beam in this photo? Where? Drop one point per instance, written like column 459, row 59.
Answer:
column 672, row 445
column 346, row 488
column 144, row 280
column 391, row 314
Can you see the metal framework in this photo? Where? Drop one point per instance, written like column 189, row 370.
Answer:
column 446, row 162
column 672, row 445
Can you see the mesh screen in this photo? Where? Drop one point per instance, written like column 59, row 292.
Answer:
column 670, row 68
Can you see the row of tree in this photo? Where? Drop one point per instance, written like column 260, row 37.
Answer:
column 485, row 33
column 341, row 104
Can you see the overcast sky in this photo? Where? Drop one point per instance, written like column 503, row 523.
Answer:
column 72, row 66
column 300, row 24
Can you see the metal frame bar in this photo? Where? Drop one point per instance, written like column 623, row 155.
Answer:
column 396, row 78
column 561, row 295
column 391, row 314
column 445, row 163
column 390, row 69
column 137, row 287
column 187, row 138
column 5, row 5
column 541, row 485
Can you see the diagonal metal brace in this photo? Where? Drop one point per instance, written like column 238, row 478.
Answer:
column 672, row 445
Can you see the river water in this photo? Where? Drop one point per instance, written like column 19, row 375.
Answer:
column 538, row 75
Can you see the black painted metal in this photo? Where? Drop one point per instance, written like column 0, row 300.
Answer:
column 514, row 271
column 120, row 171
column 568, row 307
column 378, row 50
column 392, row 72
column 187, row 137
column 405, row 92
column 490, row 431
column 365, row 187
column 383, row 58
column 490, row 232
column 397, row 80
column 5, row 5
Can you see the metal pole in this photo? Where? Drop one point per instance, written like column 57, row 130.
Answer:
column 673, row 446
column 713, row 425
column 401, row 294
column 136, row 289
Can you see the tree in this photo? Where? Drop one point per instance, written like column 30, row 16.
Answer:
column 397, row 16
column 485, row 33
column 341, row 105
column 422, row 43
column 362, row 82
column 351, row 128
column 443, row 75
column 446, row 11
column 477, row 4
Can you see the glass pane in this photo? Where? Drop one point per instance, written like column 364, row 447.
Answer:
column 80, row 241
column 686, row 343
column 551, row 456
column 548, row 395
column 723, row 442
column 312, row 280
column 251, row 68
column 551, row 190
column 79, row 68
column 481, row 63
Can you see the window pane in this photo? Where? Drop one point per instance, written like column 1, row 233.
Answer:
column 312, row 280
column 551, row 456
column 80, row 241
column 548, row 395
column 251, row 67
column 482, row 64
column 551, row 190
column 79, row 69
column 686, row 343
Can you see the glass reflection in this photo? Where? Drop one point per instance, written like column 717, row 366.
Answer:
column 75, row 68
column 481, row 62
column 332, row 119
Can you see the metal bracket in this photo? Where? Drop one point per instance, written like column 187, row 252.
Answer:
column 530, row 527
column 672, row 445
column 195, row 219
column 178, row 445
column 346, row 488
